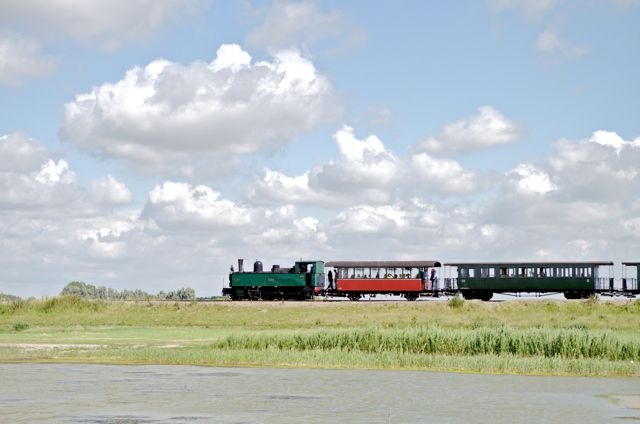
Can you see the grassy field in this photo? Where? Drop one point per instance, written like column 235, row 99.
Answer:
column 527, row 337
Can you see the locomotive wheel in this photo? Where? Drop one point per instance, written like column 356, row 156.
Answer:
column 354, row 297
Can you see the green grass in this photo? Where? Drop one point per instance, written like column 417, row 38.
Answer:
column 527, row 337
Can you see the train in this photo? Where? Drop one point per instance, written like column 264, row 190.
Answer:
column 414, row 279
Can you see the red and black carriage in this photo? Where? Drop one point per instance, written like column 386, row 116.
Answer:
column 409, row 279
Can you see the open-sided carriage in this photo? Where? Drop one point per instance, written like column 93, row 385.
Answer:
column 409, row 279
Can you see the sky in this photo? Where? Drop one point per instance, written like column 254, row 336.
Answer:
column 148, row 145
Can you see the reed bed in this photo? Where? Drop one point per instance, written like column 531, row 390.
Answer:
column 547, row 343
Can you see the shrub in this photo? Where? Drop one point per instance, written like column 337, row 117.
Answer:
column 20, row 326
column 456, row 301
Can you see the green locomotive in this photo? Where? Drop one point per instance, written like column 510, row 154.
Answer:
column 299, row 282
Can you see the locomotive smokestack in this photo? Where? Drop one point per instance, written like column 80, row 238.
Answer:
column 240, row 265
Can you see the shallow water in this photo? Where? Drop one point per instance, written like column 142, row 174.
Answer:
column 56, row 393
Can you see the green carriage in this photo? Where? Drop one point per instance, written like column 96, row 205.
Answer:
column 575, row 280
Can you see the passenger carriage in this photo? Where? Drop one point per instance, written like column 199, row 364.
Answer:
column 409, row 279
column 630, row 274
column 576, row 280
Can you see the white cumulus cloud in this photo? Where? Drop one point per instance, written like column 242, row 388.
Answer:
column 443, row 175
column 528, row 179
column 364, row 166
column 612, row 139
column 277, row 187
column 371, row 219
column 604, row 166
column 19, row 153
column 53, row 173
column 30, row 179
column 110, row 191
column 486, row 128
column 182, row 205
column 166, row 112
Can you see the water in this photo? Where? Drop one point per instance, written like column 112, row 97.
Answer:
column 61, row 393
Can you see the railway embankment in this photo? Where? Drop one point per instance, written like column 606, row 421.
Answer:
column 539, row 337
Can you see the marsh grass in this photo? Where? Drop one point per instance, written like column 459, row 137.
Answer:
column 548, row 343
column 533, row 337
column 69, row 311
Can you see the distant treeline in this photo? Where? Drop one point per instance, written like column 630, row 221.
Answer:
column 10, row 297
column 89, row 291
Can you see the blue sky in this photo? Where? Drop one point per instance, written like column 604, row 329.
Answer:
column 149, row 144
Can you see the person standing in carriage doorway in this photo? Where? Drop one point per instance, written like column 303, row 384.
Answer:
column 433, row 278
column 330, row 277
column 423, row 277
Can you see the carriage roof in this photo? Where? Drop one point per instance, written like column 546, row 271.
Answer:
column 383, row 264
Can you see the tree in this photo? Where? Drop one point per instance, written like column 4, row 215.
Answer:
column 89, row 291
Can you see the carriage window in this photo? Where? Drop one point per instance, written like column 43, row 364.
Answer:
column 583, row 272
column 508, row 272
